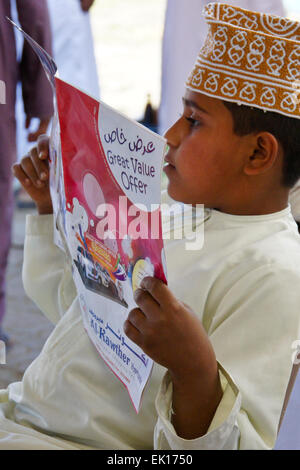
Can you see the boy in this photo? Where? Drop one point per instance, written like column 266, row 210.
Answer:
column 227, row 354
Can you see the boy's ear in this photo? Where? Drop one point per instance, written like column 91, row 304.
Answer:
column 265, row 150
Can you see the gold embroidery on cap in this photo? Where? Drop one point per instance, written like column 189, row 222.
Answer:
column 238, row 18
column 256, row 55
column 211, row 84
column 289, row 103
column 230, row 87
column 276, row 60
column 248, row 92
column 237, row 51
column 279, row 26
column 294, row 64
column 250, row 58
column 219, row 41
column 268, row 97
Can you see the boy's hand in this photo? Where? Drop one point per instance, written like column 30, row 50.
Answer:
column 33, row 174
column 171, row 334
column 168, row 331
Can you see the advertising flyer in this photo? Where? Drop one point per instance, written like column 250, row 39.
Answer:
column 112, row 178
column 105, row 181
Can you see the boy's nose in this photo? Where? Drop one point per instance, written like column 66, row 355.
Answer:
column 172, row 135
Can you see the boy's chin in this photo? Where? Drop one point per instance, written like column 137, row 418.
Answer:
column 173, row 193
column 185, row 199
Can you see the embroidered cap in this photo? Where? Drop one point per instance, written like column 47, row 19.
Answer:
column 249, row 58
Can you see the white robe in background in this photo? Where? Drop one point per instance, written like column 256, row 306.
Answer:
column 73, row 51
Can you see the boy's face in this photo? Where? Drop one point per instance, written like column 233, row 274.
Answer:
column 205, row 157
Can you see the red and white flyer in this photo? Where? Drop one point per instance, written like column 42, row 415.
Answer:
column 105, row 180
column 112, row 181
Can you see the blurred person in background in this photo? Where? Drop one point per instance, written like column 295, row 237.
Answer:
column 37, row 99
column 180, row 48
column 73, row 52
column 73, row 44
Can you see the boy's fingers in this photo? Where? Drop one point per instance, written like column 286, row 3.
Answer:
column 132, row 332
column 43, row 146
column 41, row 166
column 146, row 302
column 20, row 175
column 136, row 318
column 159, row 291
column 30, row 172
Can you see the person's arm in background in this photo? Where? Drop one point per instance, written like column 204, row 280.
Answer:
column 36, row 90
column 86, row 4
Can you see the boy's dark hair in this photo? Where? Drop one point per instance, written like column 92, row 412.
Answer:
column 286, row 130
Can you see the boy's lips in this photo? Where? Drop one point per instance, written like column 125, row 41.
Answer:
column 168, row 160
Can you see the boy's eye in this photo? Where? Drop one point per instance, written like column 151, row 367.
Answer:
column 193, row 122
